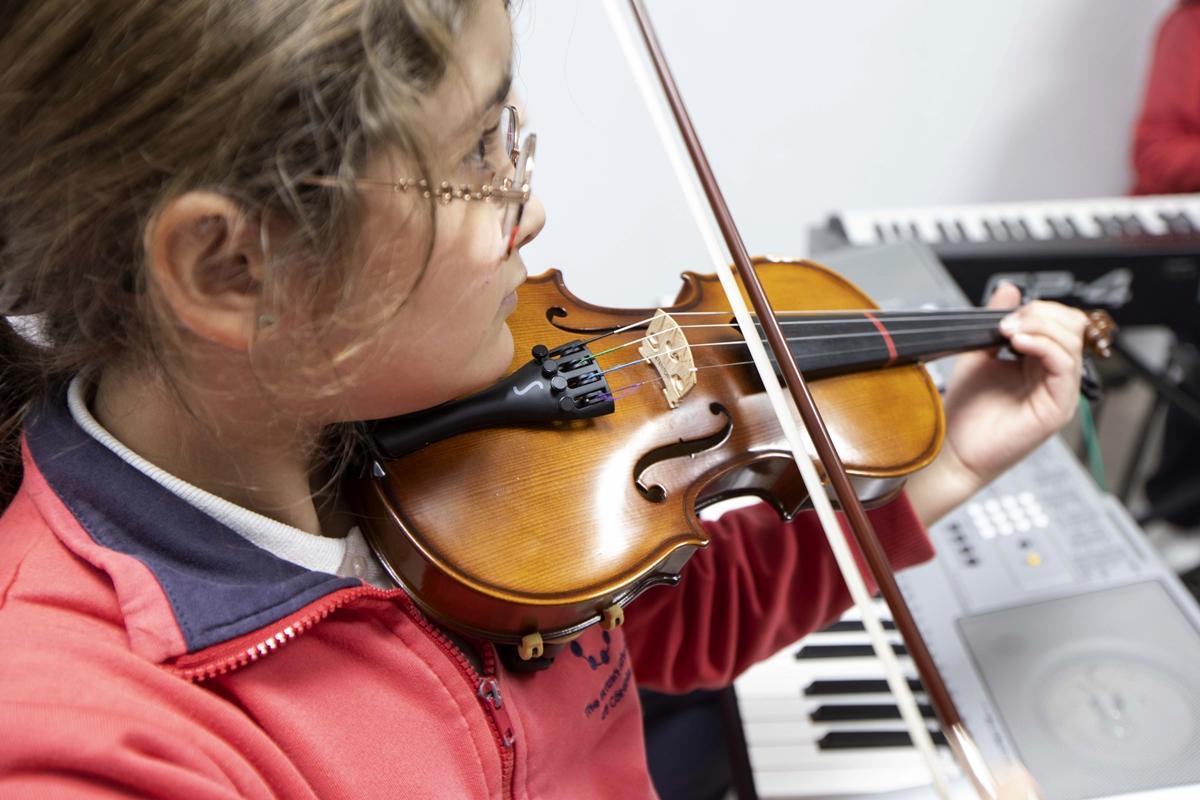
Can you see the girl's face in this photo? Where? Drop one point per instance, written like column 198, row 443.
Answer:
column 419, row 339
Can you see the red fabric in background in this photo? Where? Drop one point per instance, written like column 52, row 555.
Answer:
column 1166, row 146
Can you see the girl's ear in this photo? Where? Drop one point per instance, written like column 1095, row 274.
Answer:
column 206, row 258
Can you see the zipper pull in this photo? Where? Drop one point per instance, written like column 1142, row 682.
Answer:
column 493, row 702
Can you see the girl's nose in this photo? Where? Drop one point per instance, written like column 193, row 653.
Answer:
column 532, row 221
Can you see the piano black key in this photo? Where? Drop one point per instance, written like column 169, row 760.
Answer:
column 1131, row 225
column 962, row 230
column 880, row 233
column 897, row 230
column 843, row 651
column 995, row 231
column 945, row 231
column 827, row 686
column 855, row 626
column 914, row 231
column 1026, row 232
column 862, row 712
column 1177, row 222
column 1060, row 227
column 1073, row 228
column 1017, row 230
column 1116, row 226
column 848, row 740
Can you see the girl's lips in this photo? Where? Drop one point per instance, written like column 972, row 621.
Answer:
column 510, row 300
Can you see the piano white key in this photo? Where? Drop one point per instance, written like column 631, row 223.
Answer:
column 1151, row 221
column 1038, row 224
column 907, row 228
column 762, row 712
column 803, row 771
column 857, row 636
column 801, row 729
column 1083, row 219
column 778, row 677
column 800, row 755
column 807, row 783
column 972, row 224
column 1192, row 215
column 927, row 228
column 886, row 229
column 861, row 229
column 879, row 605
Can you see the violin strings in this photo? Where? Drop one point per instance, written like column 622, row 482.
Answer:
column 867, row 335
column 898, row 315
column 874, row 331
column 879, row 312
column 628, row 389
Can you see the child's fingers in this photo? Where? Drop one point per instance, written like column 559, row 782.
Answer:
column 1006, row 295
column 1052, row 353
column 1071, row 318
column 1061, row 330
column 1073, row 321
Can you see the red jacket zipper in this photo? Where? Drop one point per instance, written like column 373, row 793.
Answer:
column 487, row 689
column 247, row 649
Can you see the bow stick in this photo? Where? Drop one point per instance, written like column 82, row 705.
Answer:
column 961, row 743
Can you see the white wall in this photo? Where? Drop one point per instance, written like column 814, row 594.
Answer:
column 807, row 107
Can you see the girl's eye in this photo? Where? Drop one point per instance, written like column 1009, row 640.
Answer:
column 485, row 148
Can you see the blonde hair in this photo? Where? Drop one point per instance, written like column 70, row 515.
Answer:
column 110, row 108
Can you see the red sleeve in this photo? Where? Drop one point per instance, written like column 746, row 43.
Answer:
column 86, row 753
column 759, row 586
column 1166, row 148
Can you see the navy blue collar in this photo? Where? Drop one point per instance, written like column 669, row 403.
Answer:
column 220, row 585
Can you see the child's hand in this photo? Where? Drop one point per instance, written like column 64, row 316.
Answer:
column 998, row 411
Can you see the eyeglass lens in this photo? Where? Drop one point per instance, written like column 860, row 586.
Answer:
column 510, row 129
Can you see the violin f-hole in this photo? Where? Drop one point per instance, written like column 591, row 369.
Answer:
column 656, row 493
column 556, row 314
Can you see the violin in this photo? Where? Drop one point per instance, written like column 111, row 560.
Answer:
column 546, row 503
column 565, row 509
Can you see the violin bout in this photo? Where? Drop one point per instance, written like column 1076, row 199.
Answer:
column 544, row 528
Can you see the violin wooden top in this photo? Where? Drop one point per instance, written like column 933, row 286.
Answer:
column 507, row 531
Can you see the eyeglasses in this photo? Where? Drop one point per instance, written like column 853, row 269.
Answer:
column 512, row 191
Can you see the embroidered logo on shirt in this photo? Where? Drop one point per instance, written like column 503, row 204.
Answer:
column 595, row 662
column 616, row 683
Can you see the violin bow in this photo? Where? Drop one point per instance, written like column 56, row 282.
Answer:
column 817, row 436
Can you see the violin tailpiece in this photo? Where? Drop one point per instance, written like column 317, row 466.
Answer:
column 667, row 350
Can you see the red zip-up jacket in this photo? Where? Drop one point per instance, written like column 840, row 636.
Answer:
column 147, row 650
column 1166, row 142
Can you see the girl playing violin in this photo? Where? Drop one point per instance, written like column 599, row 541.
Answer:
column 208, row 277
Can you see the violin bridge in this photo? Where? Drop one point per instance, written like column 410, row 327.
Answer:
column 667, row 350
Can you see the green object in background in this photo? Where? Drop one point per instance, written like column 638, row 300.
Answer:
column 1091, row 443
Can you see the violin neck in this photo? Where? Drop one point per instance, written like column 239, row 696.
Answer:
column 851, row 341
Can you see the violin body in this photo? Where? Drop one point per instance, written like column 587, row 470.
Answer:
column 531, row 533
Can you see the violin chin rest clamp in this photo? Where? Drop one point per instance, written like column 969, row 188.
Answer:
column 612, row 617
column 531, row 646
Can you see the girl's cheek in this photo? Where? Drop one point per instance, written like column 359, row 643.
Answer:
column 485, row 244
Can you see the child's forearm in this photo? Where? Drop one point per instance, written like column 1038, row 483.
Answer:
column 943, row 485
